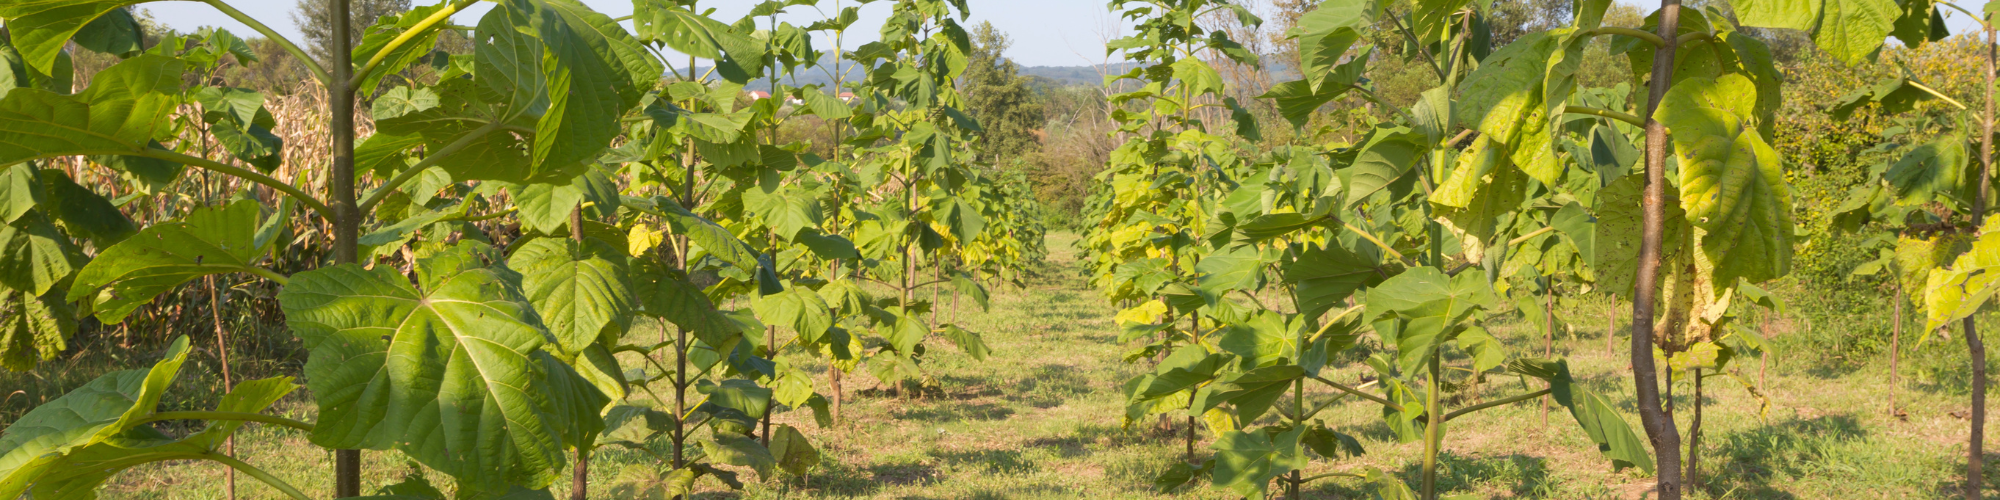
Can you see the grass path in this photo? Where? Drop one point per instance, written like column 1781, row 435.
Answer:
column 1041, row 419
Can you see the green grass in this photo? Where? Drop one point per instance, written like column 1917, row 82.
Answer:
column 1041, row 419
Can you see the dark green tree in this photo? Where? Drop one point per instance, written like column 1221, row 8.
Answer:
column 316, row 22
column 1000, row 98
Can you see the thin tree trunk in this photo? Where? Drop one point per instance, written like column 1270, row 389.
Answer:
column 1659, row 424
column 1610, row 327
column 833, row 376
column 1895, row 345
column 1548, row 335
column 340, row 181
column 1194, row 331
column 579, row 479
column 770, row 339
column 1975, row 442
column 1694, row 437
column 228, row 384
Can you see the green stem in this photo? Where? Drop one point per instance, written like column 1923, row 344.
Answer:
column 1531, row 234
column 1433, row 433
column 266, row 477
column 224, row 415
column 486, row 217
column 1975, row 17
column 1370, row 94
column 1934, row 92
column 300, row 55
column 1687, row 38
column 243, row 173
column 1350, row 390
column 270, row 275
column 1331, row 474
column 1372, row 239
column 429, row 160
column 1649, row 37
column 1498, row 402
column 1623, row 117
column 1421, row 48
column 424, row 25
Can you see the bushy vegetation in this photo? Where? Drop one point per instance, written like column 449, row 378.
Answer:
column 499, row 247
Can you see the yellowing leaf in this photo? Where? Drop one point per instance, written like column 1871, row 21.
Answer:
column 642, row 239
column 1732, row 182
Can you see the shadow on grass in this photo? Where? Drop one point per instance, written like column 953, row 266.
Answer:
column 956, row 412
column 1049, row 386
column 1506, row 476
column 846, row 479
column 1078, row 442
column 987, row 461
column 1753, row 459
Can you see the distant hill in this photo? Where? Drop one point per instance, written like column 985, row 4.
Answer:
column 1059, row 75
column 1079, row 75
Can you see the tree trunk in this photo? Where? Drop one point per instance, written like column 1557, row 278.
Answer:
column 1548, row 335
column 579, row 478
column 1895, row 345
column 1658, row 423
column 1694, row 437
column 1974, row 455
column 228, row 384
column 340, row 181
column 1610, row 327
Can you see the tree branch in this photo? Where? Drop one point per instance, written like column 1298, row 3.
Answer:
column 1498, row 402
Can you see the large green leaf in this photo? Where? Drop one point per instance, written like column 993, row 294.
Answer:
column 589, row 81
column 1323, row 51
column 83, row 212
column 1389, row 154
column 786, row 210
column 1504, row 101
column 794, row 454
column 1599, row 419
column 578, row 288
column 706, row 235
column 1431, row 305
column 38, row 443
column 1299, row 99
column 41, row 27
column 1263, row 339
column 1732, row 182
column 797, row 307
column 447, row 370
column 1620, row 225
column 34, row 255
column 1245, row 461
column 33, row 328
column 1935, row 171
column 20, row 191
column 1240, row 268
column 665, row 293
column 80, row 472
column 1850, row 30
column 164, row 256
column 737, row 57
column 1325, row 276
column 1483, row 187
column 238, row 121
column 1954, row 293
column 126, row 106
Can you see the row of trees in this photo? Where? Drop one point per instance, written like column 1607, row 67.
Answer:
column 1516, row 170
column 506, row 229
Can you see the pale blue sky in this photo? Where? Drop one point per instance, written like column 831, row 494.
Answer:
column 1045, row 32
